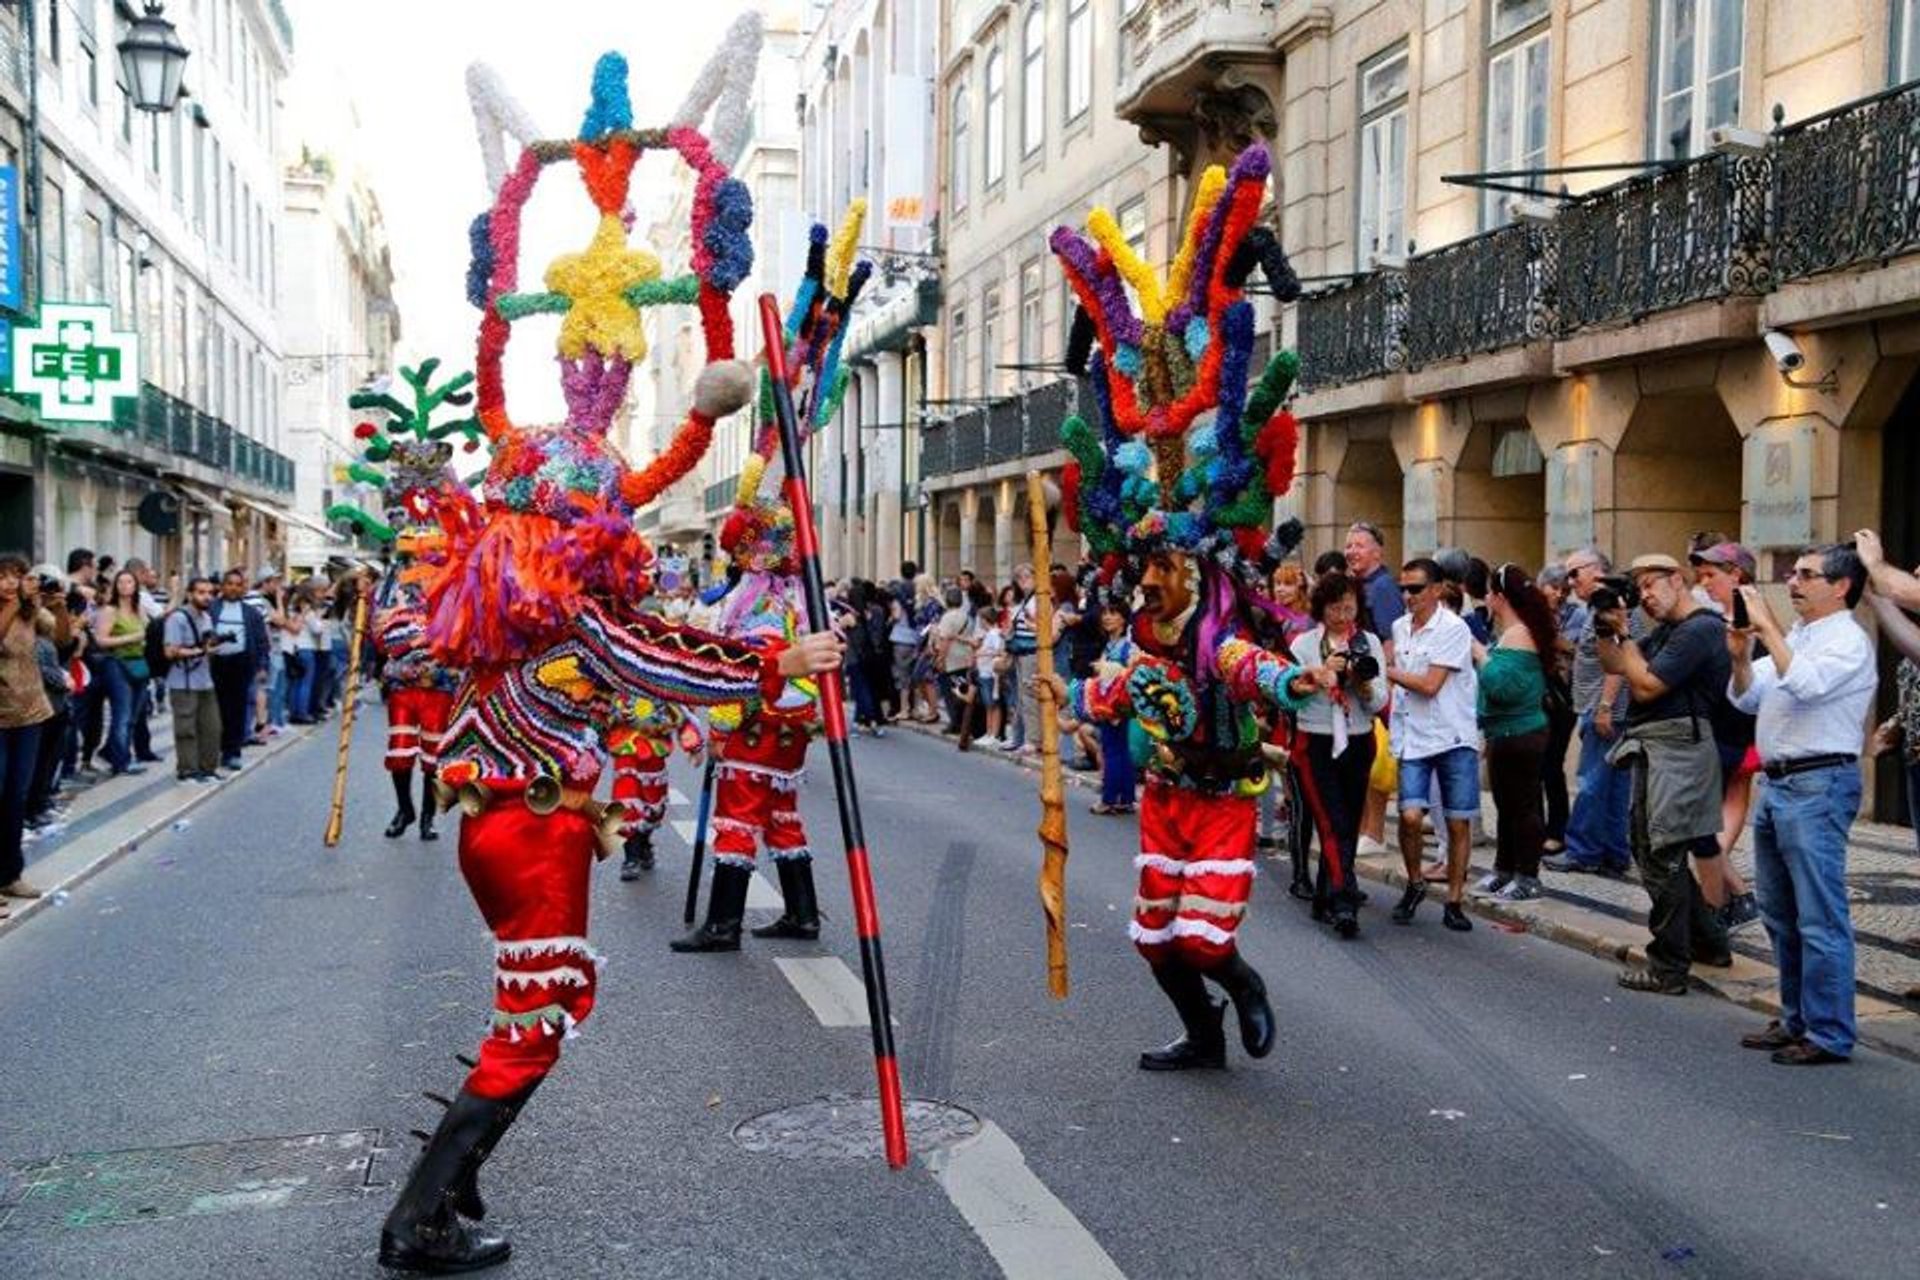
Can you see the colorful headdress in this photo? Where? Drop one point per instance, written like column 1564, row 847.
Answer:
column 758, row 534
column 1183, row 456
column 407, row 457
column 559, row 499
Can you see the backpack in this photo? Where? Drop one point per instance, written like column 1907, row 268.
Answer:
column 158, row 663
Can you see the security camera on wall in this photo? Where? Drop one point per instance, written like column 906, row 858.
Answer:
column 1734, row 141
column 1786, row 353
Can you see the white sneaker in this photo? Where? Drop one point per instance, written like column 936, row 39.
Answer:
column 1491, row 883
column 1368, row 845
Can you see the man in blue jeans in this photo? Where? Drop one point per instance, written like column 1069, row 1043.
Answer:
column 1597, row 826
column 1811, row 692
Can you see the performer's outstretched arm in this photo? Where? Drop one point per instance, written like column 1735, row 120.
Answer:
column 650, row 657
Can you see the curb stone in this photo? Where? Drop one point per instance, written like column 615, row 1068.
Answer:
column 66, row 869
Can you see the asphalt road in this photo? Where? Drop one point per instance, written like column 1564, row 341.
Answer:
column 1488, row 1105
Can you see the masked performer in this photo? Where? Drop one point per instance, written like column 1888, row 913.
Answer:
column 531, row 593
column 759, row 757
column 639, row 748
column 1172, row 486
column 407, row 457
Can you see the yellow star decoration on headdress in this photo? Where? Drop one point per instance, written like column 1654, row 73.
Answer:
column 595, row 285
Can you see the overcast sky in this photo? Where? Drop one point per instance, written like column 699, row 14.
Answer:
column 403, row 64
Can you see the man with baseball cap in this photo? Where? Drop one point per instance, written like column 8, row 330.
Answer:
column 1675, row 679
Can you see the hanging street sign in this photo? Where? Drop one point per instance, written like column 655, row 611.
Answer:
column 75, row 362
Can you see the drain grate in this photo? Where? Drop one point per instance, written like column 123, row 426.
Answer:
column 148, row 1184
column 841, row 1128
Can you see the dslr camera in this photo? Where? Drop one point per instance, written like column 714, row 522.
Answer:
column 1613, row 593
column 1363, row 666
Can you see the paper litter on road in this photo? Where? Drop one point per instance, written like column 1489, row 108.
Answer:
column 1829, row 1137
column 1446, row 1113
column 180, row 824
column 1578, row 1075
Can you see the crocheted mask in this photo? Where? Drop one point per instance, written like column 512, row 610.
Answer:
column 1181, row 456
column 758, row 534
column 557, row 524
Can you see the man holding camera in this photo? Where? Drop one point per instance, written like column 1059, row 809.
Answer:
column 1811, row 694
column 190, row 640
column 1596, row 837
column 1676, row 683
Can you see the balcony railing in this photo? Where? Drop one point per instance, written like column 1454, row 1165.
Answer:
column 1846, row 185
column 164, row 421
column 1021, row 426
column 1492, row 291
column 1354, row 331
column 1682, row 234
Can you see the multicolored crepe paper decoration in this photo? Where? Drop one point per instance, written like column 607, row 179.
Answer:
column 559, row 500
column 758, row 534
column 1182, row 455
column 407, row 456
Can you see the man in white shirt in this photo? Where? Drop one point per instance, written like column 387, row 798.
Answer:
column 1435, row 734
column 1812, row 693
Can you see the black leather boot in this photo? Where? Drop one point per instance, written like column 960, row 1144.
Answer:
column 639, row 855
column 404, row 815
column 429, row 806
column 801, row 916
column 466, row 1191
column 423, row 1233
column 1243, row 985
column 1204, row 1045
column 1248, row 995
column 721, row 932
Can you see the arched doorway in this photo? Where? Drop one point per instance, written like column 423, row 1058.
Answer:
column 1500, row 495
column 1677, row 472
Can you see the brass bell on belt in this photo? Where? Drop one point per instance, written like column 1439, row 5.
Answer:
column 543, row 795
column 473, row 799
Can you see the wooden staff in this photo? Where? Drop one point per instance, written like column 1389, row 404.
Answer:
column 336, row 814
column 1053, row 800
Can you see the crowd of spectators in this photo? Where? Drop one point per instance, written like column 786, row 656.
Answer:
column 92, row 653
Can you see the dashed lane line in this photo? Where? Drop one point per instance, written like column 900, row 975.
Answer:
column 829, row 988
column 1029, row 1232
column 761, row 896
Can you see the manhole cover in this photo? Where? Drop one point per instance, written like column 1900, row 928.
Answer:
column 849, row 1129
column 101, row 1188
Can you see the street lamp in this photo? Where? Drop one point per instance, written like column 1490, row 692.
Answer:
column 152, row 60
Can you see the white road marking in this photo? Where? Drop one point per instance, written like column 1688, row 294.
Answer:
column 684, row 828
column 829, row 988
column 676, row 796
column 762, row 896
column 1031, row 1235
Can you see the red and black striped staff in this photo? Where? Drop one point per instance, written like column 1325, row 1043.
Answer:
column 833, row 713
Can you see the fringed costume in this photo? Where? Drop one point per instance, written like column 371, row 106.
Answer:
column 760, row 756
column 408, row 458
column 1172, row 485
column 534, row 594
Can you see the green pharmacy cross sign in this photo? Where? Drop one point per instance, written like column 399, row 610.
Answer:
column 75, row 362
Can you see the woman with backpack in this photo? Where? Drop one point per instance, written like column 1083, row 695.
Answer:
column 120, row 636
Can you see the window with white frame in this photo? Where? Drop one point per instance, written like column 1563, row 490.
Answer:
column 1132, row 218
column 990, row 343
column 1079, row 58
column 1517, row 70
column 1030, row 295
column 1904, row 47
column 1698, row 45
column 960, row 139
column 1381, row 229
column 1033, row 80
column 956, row 353
column 994, row 151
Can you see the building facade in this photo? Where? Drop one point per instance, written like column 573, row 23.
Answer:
column 340, row 325
column 866, row 111
column 173, row 220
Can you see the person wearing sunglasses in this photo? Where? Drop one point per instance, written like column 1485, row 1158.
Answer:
column 1435, row 734
column 1811, row 694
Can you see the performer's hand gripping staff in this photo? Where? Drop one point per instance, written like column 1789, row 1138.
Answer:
column 833, row 715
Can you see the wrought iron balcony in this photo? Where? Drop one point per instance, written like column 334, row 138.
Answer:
column 1846, row 185
column 1020, row 426
column 1494, row 290
column 1194, row 66
column 1685, row 233
column 1354, row 331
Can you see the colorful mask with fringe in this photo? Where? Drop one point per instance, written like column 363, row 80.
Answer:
column 408, row 457
column 1182, row 456
column 557, row 523
column 758, row 535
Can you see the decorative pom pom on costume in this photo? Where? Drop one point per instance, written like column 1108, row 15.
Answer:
column 722, row 388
